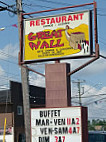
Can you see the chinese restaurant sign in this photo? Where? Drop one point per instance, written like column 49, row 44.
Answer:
column 56, row 125
column 59, row 36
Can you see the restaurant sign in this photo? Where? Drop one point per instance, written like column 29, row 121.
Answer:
column 55, row 37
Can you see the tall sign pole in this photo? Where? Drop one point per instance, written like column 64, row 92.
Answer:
column 54, row 38
column 25, row 84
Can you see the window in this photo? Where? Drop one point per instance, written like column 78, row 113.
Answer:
column 21, row 138
column 19, row 110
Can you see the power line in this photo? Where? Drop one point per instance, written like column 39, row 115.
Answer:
column 8, row 7
column 3, row 79
column 101, row 14
column 90, row 96
column 5, row 4
column 42, row 6
column 37, row 5
column 104, row 57
column 13, row 74
column 79, row 88
column 102, row 37
column 97, row 96
column 8, row 61
column 52, row 2
column 102, row 42
column 13, row 10
column 57, row 3
column 3, row 8
column 96, row 101
column 91, row 88
column 7, row 55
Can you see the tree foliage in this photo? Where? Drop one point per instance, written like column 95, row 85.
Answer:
column 92, row 125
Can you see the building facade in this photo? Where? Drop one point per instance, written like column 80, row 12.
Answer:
column 11, row 104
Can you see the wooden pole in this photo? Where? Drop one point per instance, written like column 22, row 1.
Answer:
column 25, row 83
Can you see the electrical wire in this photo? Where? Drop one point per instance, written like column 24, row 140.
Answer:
column 4, row 3
column 57, row 3
column 37, row 5
column 52, row 2
column 90, row 96
column 95, row 98
column 7, row 55
column 101, row 15
column 95, row 101
column 91, row 88
column 9, row 61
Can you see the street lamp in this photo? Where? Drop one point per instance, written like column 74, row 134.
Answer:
column 1, row 29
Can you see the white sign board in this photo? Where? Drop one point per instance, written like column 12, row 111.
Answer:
column 56, row 125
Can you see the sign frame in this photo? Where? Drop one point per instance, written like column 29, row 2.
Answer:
column 70, row 41
column 21, row 52
column 83, row 121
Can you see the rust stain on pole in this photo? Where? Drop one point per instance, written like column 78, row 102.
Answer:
column 95, row 23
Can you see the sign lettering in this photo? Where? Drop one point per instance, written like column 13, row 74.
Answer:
column 56, row 125
column 59, row 36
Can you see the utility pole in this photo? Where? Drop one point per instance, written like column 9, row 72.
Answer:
column 25, row 83
column 79, row 89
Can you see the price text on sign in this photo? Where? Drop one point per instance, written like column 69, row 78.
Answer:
column 56, row 125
